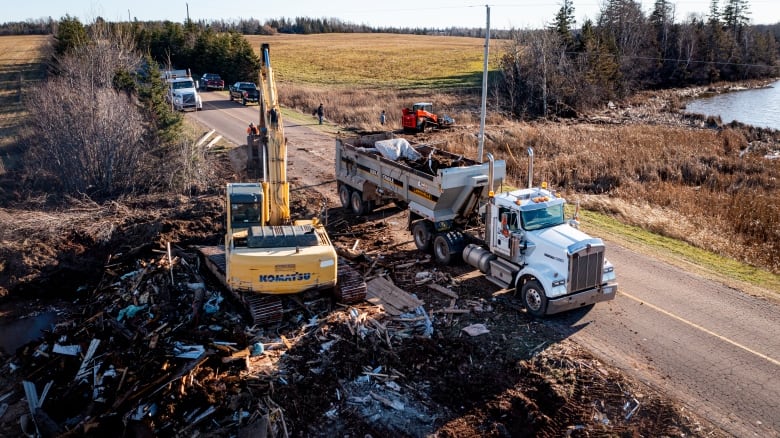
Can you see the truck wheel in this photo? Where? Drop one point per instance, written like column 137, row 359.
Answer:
column 447, row 247
column 358, row 205
column 344, row 195
column 534, row 299
column 243, row 101
column 421, row 231
column 230, row 96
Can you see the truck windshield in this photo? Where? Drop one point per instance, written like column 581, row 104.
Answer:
column 183, row 84
column 542, row 217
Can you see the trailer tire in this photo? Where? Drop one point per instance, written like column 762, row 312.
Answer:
column 447, row 247
column 358, row 205
column 422, row 232
column 534, row 299
column 344, row 195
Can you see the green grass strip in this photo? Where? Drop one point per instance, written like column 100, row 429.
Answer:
column 678, row 253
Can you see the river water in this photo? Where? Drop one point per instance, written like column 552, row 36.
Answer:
column 758, row 107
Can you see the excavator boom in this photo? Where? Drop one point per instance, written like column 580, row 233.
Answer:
column 276, row 186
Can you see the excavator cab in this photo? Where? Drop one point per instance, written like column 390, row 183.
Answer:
column 245, row 206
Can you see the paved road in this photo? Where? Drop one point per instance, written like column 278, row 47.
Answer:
column 715, row 348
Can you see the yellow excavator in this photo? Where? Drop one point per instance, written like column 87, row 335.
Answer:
column 267, row 255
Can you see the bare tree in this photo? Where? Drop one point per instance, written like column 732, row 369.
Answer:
column 538, row 75
column 86, row 136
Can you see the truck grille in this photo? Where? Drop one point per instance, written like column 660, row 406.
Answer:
column 188, row 99
column 585, row 267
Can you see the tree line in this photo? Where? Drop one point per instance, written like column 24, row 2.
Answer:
column 253, row 26
column 563, row 69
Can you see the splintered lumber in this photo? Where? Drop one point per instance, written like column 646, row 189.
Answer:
column 443, row 290
column 394, row 300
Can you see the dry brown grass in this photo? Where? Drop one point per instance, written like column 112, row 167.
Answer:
column 688, row 184
column 21, row 66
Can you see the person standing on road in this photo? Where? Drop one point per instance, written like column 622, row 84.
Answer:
column 274, row 116
column 320, row 113
column 252, row 129
column 382, row 118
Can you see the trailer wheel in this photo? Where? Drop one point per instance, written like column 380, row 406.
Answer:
column 358, row 205
column 422, row 233
column 447, row 247
column 344, row 195
column 534, row 299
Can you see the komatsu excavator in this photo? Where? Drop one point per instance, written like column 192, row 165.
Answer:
column 267, row 254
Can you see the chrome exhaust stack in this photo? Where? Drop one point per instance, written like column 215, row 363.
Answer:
column 530, row 167
column 491, row 171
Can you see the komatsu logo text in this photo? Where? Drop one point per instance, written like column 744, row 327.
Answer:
column 274, row 278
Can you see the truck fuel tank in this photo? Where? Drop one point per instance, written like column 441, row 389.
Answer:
column 478, row 257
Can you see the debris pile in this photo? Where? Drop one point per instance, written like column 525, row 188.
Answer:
column 154, row 349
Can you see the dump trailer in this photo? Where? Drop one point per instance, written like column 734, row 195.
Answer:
column 519, row 239
column 437, row 185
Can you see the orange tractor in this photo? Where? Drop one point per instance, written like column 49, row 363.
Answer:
column 421, row 116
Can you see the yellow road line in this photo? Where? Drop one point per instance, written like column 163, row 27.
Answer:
column 697, row 326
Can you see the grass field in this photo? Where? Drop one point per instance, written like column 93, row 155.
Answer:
column 378, row 60
column 21, row 65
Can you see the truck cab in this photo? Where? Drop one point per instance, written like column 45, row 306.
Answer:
column 553, row 265
column 182, row 90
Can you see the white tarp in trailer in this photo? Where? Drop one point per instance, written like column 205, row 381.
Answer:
column 395, row 148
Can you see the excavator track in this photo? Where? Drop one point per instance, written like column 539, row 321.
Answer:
column 350, row 287
column 264, row 309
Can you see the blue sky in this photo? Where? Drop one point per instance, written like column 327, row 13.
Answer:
column 504, row 14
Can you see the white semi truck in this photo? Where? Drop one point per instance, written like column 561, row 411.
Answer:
column 519, row 239
column 182, row 90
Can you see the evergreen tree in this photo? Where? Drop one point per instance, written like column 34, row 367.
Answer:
column 70, row 34
column 714, row 17
column 564, row 22
column 166, row 124
column 736, row 16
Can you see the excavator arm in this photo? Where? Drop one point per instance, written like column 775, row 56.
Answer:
column 275, row 184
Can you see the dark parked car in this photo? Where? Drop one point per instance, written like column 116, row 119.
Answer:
column 244, row 92
column 211, row 81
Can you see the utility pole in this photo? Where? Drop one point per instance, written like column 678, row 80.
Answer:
column 484, row 88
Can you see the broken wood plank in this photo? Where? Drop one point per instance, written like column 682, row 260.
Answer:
column 443, row 290
column 393, row 299
column 452, row 311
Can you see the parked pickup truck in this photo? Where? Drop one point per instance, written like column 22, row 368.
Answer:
column 244, row 92
column 211, row 81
